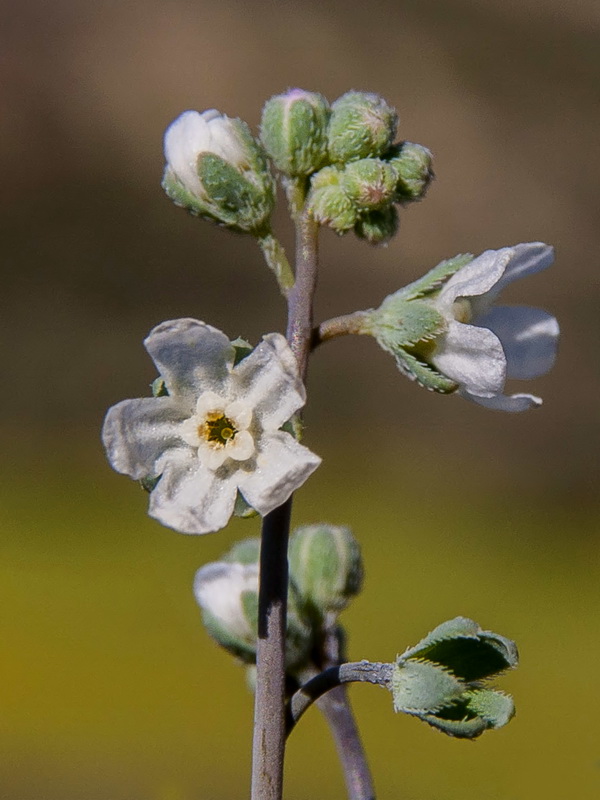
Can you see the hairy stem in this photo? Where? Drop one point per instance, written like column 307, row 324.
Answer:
column 269, row 709
column 361, row 671
column 339, row 326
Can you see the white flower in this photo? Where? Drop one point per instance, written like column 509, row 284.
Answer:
column 483, row 345
column 216, row 432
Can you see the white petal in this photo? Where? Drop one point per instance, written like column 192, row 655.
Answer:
column 185, row 139
column 225, row 141
column 191, row 356
column 282, row 466
column 240, row 413
column 473, row 357
column 212, row 456
column 528, row 259
column 218, row 588
column 529, row 338
column 268, row 381
column 241, row 448
column 503, row 402
column 209, row 402
column 188, row 432
column 190, row 497
column 137, row 432
column 476, row 278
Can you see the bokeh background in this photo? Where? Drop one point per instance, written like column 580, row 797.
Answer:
column 109, row 687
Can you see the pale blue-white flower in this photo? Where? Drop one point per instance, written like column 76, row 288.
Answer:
column 484, row 344
column 217, row 429
column 445, row 331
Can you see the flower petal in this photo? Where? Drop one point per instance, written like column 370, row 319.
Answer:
column 476, row 278
column 503, row 402
column 185, row 138
column 527, row 259
column 473, row 357
column 136, row 433
column 189, row 497
column 191, row 356
column 282, row 466
column 529, row 338
column 268, row 381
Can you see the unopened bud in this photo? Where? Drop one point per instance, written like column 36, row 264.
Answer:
column 325, row 567
column 413, row 164
column 216, row 169
column 329, row 203
column 370, row 183
column 293, row 131
column 377, row 227
column 361, row 125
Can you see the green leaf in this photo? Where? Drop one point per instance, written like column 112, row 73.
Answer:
column 242, row 349
column 242, row 508
column 496, row 708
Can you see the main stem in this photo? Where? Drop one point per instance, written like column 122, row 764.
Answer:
column 268, row 748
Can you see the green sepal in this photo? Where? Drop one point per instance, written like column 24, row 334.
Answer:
column 331, row 206
column 176, row 192
column 242, row 349
column 466, row 650
column 424, row 374
column 159, row 387
column 236, row 645
column 404, row 323
column 476, row 712
column 232, row 198
column 294, row 427
column 242, row 508
column 421, row 687
column 148, row 483
column 432, row 280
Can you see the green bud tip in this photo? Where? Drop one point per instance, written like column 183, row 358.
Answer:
column 361, row 125
column 293, row 131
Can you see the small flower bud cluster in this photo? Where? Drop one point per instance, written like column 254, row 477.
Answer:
column 325, row 573
column 358, row 174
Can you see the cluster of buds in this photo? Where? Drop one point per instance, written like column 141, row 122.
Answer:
column 325, row 573
column 357, row 172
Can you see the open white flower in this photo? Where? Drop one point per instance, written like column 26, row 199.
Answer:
column 216, row 432
column 483, row 345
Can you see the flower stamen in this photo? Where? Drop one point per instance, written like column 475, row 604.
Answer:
column 217, row 429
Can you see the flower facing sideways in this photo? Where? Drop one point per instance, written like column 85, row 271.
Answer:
column 445, row 332
column 215, row 430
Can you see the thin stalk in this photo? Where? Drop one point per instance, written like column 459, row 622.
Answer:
column 340, row 326
column 269, row 708
column 335, row 707
column 362, row 671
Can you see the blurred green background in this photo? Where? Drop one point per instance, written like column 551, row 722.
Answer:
column 109, row 687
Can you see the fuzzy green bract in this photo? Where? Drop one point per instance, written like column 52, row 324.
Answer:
column 440, row 679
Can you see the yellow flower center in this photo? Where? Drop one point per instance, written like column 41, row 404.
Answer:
column 217, row 429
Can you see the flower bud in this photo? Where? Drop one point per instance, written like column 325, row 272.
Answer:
column 227, row 593
column 328, row 202
column 377, row 227
column 370, row 183
column 413, row 165
column 325, row 567
column 361, row 125
column 217, row 170
column 293, row 131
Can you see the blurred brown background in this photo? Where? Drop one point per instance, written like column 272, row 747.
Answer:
column 109, row 688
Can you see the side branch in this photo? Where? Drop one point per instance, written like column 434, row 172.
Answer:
column 362, row 671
